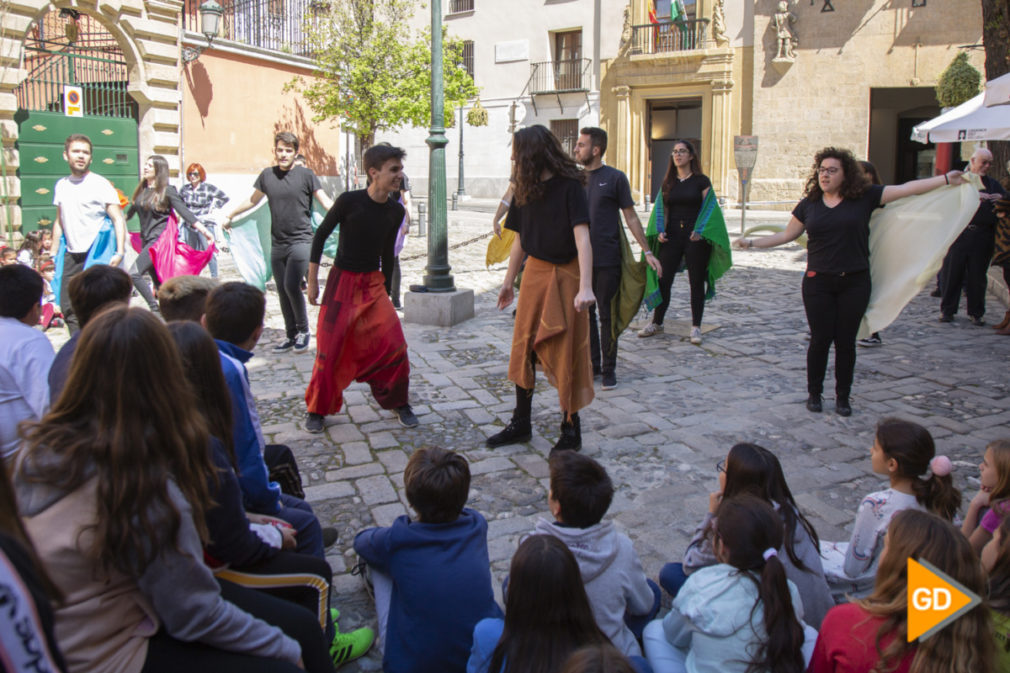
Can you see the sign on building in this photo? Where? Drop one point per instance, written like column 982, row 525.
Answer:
column 73, row 97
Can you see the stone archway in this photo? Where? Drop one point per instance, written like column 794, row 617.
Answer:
column 148, row 34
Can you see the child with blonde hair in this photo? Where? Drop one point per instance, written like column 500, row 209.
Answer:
column 992, row 502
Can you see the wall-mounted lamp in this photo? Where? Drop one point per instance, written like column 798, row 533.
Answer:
column 210, row 18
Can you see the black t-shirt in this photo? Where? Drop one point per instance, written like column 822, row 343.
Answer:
column 608, row 192
column 153, row 222
column 683, row 201
column 367, row 233
column 546, row 226
column 838, row 239
column 289, row 196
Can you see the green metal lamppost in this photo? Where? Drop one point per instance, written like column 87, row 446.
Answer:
column 437, row 277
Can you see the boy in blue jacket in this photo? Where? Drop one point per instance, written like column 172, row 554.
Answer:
column 431, row 575
column 234, row 317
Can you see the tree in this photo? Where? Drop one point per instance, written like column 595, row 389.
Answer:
column 960, row 82
column 996, row 39
column 372, row 73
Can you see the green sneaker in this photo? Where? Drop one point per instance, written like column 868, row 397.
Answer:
column 349, row 646
column 334, row 615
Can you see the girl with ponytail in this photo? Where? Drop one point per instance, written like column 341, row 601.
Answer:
column 904, row 451
column 741, row 615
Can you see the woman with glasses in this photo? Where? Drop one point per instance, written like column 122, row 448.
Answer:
column 684, row 190
column 835, row 214
column 202, row 198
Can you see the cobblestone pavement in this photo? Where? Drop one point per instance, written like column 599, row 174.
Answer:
column 677, row 410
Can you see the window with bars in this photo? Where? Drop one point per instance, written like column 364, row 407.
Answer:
column 567, row 131
column 457, row 6
column 468, row 57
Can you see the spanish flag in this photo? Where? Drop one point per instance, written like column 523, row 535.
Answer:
column 652, row 12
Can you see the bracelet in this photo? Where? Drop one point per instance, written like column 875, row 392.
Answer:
column 505, row 203
column 946, row 178
column 650, row 253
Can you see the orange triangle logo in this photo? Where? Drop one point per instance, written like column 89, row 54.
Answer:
column 934, row 599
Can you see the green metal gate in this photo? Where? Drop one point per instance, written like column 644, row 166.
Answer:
column 69, row 48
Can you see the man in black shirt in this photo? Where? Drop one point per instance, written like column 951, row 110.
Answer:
column 289, row 190
column 359, row 337
column 967, row 261
column 609, row 194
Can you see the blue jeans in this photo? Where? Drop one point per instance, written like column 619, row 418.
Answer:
column 637, row 622
column 672, row 578
column 308, row 532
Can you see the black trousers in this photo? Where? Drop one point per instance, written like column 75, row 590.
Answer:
column 73, row 264
column 606, row 280
column 680, row 248
column 835, row 305
column 166, row 654
column 145, row 265
column 966, row 266
column 289, row 264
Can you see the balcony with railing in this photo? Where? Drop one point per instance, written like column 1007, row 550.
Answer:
column 276, row 25
column 571, row 76
column 460, row 6
column 671, row 36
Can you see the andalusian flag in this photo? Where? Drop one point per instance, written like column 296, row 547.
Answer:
column 711, row 226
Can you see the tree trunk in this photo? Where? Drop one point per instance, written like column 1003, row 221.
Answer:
column 996, row 39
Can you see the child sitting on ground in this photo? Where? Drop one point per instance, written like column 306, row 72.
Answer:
column 904, row 451
column 431, row 575
column 184, row 297
column 740, row 615
column 616, row 584
column 234, row 317
column 992, row 502
column 751, row 469
column 871, row 634
column 996, row 562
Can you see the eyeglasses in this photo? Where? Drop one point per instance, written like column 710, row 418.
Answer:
column 828, row 170
column 682, row 151
column 721, row 466
column 194, row 174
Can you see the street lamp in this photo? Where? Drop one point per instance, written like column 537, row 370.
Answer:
column 210, row 19
column 437, row 277
column 459, row 187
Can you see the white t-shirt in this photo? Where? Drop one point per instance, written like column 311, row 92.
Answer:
column 82, row 203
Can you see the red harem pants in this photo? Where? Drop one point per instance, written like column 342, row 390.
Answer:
column 358, row 338
column 548, row 324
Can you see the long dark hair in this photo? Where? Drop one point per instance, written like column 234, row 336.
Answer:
column 854, row 183
column 926, row 537
column 537, row 150
column 127, row 418
column 670, row 179
column 547, row 613
column 202, row 364
column 155, row 199
column 871, row 172
column 754, row 470
column 748, row 527
column 912, row 447
column 12, row 526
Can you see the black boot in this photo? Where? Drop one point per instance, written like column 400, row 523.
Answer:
column 814, row 403
column 842, row 406
column 571, row 435
column 519, row 428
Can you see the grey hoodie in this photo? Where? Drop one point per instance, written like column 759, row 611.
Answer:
column 613, row 575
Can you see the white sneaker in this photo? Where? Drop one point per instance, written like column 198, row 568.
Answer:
column 650, row 330
column 696, row 336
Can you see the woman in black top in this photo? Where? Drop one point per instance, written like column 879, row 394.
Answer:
column 835, row 213
column 684, row 189
column 153, row 200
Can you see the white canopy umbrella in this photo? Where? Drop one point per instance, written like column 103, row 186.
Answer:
column 997, row 91
column 968, row 121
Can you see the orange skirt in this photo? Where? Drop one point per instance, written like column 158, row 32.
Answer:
column 358, row 338
column 548, row 324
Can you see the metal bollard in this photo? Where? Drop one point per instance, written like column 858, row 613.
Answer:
column 455, row 201
column 422, row 210
column 645, row 204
